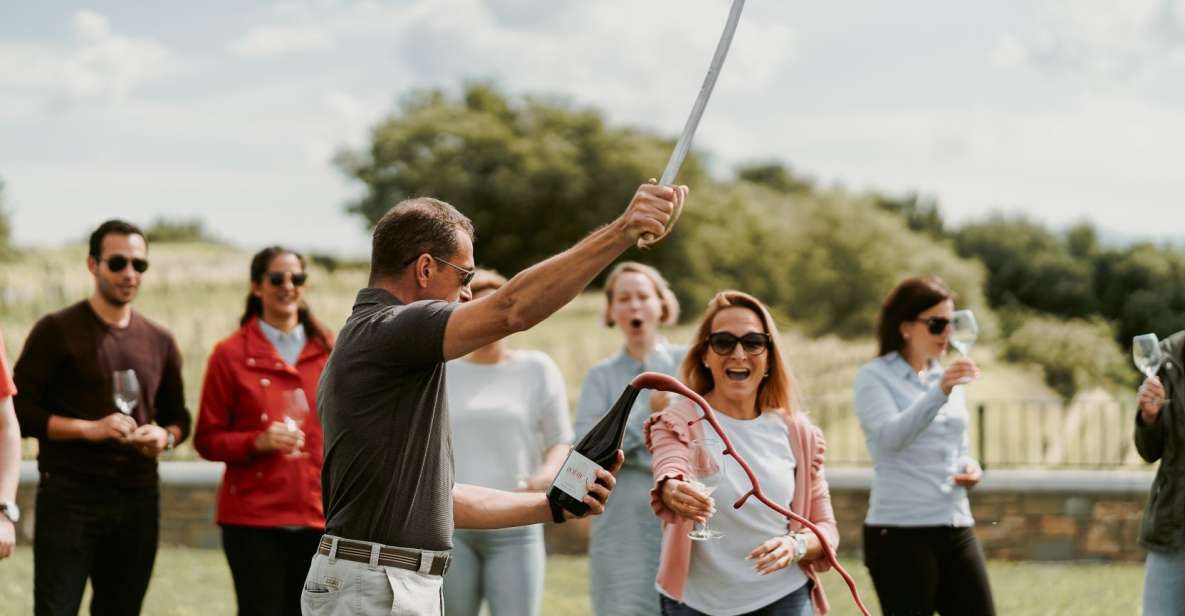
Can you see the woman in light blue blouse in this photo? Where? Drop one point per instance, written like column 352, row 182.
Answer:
column 625, row 541
column 919, row 538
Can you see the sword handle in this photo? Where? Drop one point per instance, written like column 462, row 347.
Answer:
column 649, row 239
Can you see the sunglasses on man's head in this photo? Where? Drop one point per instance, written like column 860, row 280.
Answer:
column 754, row 343
column 936, row 325
column 277, row 278
column 117, row 263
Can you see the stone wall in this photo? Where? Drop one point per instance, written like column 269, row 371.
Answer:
column 1020, row 515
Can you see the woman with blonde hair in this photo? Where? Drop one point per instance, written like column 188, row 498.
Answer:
column 762, row 564
column 624, row 541
column 508, row 412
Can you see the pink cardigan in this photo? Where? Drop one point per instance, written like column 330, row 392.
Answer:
column 668, row 437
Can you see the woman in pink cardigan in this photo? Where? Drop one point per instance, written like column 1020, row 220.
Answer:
column 763, row 565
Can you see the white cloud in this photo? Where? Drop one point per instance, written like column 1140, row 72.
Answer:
column 276, row 40
column 1099, row 40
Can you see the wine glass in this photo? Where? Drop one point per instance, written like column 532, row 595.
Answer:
column 296, row 410
column 1147, row 355
column 706, row 460
column 964, row 331
column 126, row 390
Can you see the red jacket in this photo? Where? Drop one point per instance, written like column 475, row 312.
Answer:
column 241, row 396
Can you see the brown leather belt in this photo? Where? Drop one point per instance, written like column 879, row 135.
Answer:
column 388, row 556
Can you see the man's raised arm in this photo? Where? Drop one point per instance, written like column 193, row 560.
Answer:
column 540, row 290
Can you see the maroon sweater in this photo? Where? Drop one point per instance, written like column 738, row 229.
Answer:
column 66, row 369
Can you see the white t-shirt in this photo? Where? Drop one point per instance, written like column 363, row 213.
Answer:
column 720, row 581
column 504, row 417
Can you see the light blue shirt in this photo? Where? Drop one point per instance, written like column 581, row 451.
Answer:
column 917, row 437
column 288, row 345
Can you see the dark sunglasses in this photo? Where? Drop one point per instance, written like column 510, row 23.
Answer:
column 119, row 262
column 466, row 274
column 277, row 278
column 936, row 325
column 754, row 343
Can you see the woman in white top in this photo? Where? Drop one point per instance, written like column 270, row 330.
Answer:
column 763, row 565
column 508, row 411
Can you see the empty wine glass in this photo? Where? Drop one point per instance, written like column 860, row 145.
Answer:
column 125, row 390
column 963, row 331
column 1147, row 355
column 296, row 410
column 706, row 460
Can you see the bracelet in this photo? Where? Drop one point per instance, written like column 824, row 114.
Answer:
column 170, row 440
column 799, row 546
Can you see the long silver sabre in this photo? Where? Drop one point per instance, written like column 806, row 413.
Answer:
column 697, row 111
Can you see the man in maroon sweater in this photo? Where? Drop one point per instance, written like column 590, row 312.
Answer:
column 98, row 512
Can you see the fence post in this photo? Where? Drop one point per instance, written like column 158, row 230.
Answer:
column 980, row 412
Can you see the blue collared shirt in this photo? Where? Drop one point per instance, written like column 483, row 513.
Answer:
column 288, row 345
column 917, row 437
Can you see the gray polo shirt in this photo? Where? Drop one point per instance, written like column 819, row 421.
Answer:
column 388, row 472
column 917, row 437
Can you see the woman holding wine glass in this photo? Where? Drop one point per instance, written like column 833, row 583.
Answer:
column 625, row 540
column 1159, row 437
column 919, row 538
column 258, row 415
column 749, row 560
column 508, row 412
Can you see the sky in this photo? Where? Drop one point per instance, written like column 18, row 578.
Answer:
column 1063, row 110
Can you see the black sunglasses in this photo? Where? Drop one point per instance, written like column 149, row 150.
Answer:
column 936, row 325
column 119, row 262
column 466, row 274
column 754, row 343
column 277, row 278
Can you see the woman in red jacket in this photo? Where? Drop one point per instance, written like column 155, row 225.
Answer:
column 258, row 415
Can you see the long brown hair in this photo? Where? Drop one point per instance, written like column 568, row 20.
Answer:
column 911, row 297
column 259, row 264
column 779, row 391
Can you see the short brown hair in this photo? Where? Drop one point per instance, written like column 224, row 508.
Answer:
column 778, row 392
column 412, row 228
column 670, row 303
column 486, row 279
column 906, row 301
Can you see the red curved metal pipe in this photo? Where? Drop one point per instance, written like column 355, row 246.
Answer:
column 663, row 382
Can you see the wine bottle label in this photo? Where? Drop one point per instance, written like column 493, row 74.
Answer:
column 575, row 475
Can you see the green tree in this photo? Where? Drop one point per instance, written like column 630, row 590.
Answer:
column 1028, row 266
column 921, row 214
column 179, row 230
column 1141, row 288
column 534, row 175
column 776, row 176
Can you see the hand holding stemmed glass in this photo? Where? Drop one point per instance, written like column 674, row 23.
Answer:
column 964, row 331
column 706, row 465
column 1147, row 356
column 296, row 410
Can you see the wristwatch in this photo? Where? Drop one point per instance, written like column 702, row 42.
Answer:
column 170, row 441
column 11, row 511
column 799, row 546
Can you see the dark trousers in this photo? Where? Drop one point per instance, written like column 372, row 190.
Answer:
column 106, row 533
column 269, row 566
column 797, row 603
column 919, row 570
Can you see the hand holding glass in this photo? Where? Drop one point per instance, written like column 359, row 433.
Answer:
column 296, row 410
column 706, row 463
column 963, row 333
column 1147, row 356
column 126, row 390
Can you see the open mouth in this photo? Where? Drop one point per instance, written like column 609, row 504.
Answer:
column 737, row 374
column 636, row 323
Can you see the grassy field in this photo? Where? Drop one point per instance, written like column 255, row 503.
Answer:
column 190, row 581
column 198, row 290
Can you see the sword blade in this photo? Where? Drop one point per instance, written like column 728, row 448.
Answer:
column 705, row 92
